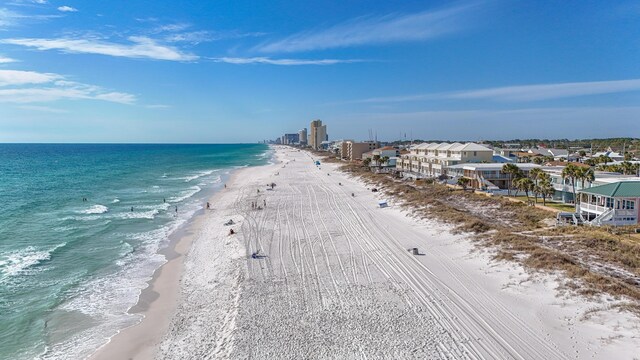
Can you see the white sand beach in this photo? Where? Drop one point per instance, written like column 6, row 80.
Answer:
column 333, row 279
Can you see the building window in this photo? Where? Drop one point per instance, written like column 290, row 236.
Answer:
column 475, row 153
column 628, row 204
column 609, row 203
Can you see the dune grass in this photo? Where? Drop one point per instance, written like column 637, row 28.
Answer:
column 594, row 260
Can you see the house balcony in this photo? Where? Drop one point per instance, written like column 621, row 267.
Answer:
column 599, row 209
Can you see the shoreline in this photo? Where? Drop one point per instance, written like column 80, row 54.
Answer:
column 158, row 302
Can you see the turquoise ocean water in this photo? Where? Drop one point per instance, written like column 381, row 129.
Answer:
column 70, row 269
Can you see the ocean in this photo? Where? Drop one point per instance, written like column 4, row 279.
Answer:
column 80, row 230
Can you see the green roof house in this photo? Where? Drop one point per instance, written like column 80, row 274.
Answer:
column 611, row 204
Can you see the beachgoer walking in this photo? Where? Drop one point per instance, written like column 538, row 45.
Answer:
column 208, row 205
column 225, row 186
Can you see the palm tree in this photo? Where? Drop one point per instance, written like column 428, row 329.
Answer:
column 586, row 174
column 524, row 184
column 463, row 181
column 604, row 159
column 545, row 188
column 366, row 162
column 627, row 168
column 383, row 160
column 513, row 171
column 535, row 174
column 571, row 171
column 376, row 158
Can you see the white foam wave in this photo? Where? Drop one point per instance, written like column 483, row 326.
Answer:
column 82, row 218
column 162, row 206
column 19, row 261
column 185, row 194
column 151, row 214
column 116, row 200
column 95, row 209
column 197, row 175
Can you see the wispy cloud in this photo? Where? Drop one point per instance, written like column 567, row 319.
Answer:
column 17, row 77
column 282, row 62
column 523, row 93
column 140, row 47
column 6, row 60
column 377, row 30
column 33, row 87
column 550, row 91
column 66, row 8
column 10, row 18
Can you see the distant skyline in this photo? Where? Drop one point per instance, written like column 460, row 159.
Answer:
column 245, row 71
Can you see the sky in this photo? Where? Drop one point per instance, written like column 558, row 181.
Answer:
column 231, row 71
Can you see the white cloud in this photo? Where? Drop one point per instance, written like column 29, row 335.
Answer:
column 17, row 77
column 66, row 8
column 200, row 36
column 521, row 92
column 172, row 27
column 550, row 91
column 9, row 18
column 6, row 60
column 19, row 87
column 284, row 62
column 376, row 30
column 141, row 47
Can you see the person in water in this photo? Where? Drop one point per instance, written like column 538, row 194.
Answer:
column 132, row 209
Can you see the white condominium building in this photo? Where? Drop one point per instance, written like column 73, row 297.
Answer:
column 432, row 159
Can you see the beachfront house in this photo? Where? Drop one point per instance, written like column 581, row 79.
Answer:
column 389, row 152
column 431, row 160
column 611, row 204
column 487, row 176
column 564, row 189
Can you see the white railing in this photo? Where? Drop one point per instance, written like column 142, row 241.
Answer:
column 593, row 208
column 605, row 216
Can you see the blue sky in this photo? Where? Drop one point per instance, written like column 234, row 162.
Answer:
column 242, row 71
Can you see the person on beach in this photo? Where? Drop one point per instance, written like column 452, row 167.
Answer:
column 265, row 202
column 132, row 209
column 164, row 200
column 225, row 186
column 176, row 209
column 208, row 205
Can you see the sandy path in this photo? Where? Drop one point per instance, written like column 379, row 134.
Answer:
column 337, row 281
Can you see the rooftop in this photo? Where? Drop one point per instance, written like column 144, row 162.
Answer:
column 619, row 189
column 492, row 166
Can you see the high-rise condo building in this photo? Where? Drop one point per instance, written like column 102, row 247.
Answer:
column 318, row 134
